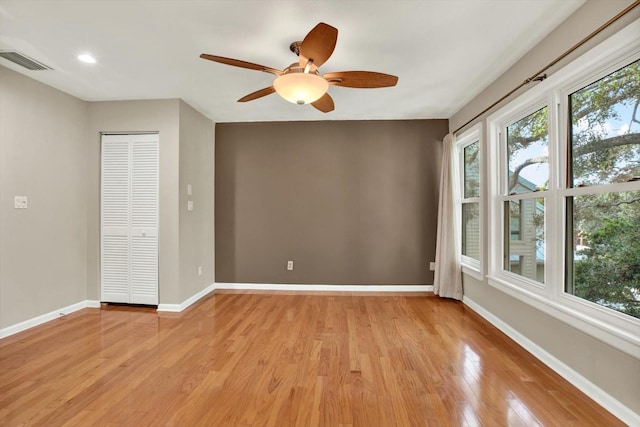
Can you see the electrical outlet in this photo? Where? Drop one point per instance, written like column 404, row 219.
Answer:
column 432, row 266
column 200, row 270
column 20, row 202
column 289, row 265
column 190, row 205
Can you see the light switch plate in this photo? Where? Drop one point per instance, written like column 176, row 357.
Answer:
column 189, row 190
column 20, row 202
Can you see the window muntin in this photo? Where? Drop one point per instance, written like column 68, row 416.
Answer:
column 528, row 153
column 605, row 129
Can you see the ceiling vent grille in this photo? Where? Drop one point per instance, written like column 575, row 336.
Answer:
column 23, row 61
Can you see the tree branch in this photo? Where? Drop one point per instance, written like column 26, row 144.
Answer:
column 586, row 109
column 604, row 144
column 606, row 205
column 473, row 156
column 513, row 181
column 524, row 140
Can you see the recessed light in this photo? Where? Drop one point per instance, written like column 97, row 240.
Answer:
column 87, row 58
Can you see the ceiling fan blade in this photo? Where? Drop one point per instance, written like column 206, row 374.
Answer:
column 318, row 45
column 361, row 79
column 257, row 94
column 324, row 104
column 241, row 64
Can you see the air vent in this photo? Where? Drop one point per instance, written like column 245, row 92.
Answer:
column 23, row 61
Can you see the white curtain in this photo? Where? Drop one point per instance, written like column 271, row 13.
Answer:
column 448, row 275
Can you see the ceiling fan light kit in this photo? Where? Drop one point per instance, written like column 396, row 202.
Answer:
column 299, row 87
column 302, row 83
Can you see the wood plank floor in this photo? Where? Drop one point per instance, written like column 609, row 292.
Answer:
column 278, row 359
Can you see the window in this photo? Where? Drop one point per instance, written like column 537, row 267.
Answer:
column 470, row 167
column 564, row 193
column 603, row 245
column 471, row 201
column 526, row 173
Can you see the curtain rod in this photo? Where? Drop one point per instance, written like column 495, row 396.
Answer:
column 539, row 76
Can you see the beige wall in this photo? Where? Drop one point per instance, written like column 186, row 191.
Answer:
column 186, row 156
column 50, row 152
column 43, row 249
column 196, row 227
column 160, row 116
column 583, row 22
column 615, row 372
column 348, row 202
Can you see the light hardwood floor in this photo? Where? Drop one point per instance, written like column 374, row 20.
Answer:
column 278, row 359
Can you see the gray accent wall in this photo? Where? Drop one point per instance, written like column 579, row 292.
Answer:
column 612, row 370
column 43, row 155
column 349, row 202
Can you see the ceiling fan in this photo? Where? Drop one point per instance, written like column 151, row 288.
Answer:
column 301, row 82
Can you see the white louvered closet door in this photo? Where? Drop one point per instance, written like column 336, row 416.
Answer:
column 129, row 212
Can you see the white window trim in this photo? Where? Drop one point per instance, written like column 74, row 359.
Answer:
column 521, row 107
column 472, row 266
column 614, row 328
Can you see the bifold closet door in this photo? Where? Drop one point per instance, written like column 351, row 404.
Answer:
column 129, row 219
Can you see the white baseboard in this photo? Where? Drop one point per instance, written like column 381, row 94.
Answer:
column 93, row 304
column 325, row 288
column 176, row 308
column 43, row 318
column 604, row 399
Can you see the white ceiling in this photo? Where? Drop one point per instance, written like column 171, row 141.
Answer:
column 443, row 51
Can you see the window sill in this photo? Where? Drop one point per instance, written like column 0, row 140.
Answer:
column 472, row 271
column 620, row 338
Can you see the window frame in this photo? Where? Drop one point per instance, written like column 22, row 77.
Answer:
column 471, row 266
column 622, row 59
column 498, row 160
column 612, row 327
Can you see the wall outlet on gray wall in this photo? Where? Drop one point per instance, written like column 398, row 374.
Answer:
column 432, row 266
column 289, row 265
